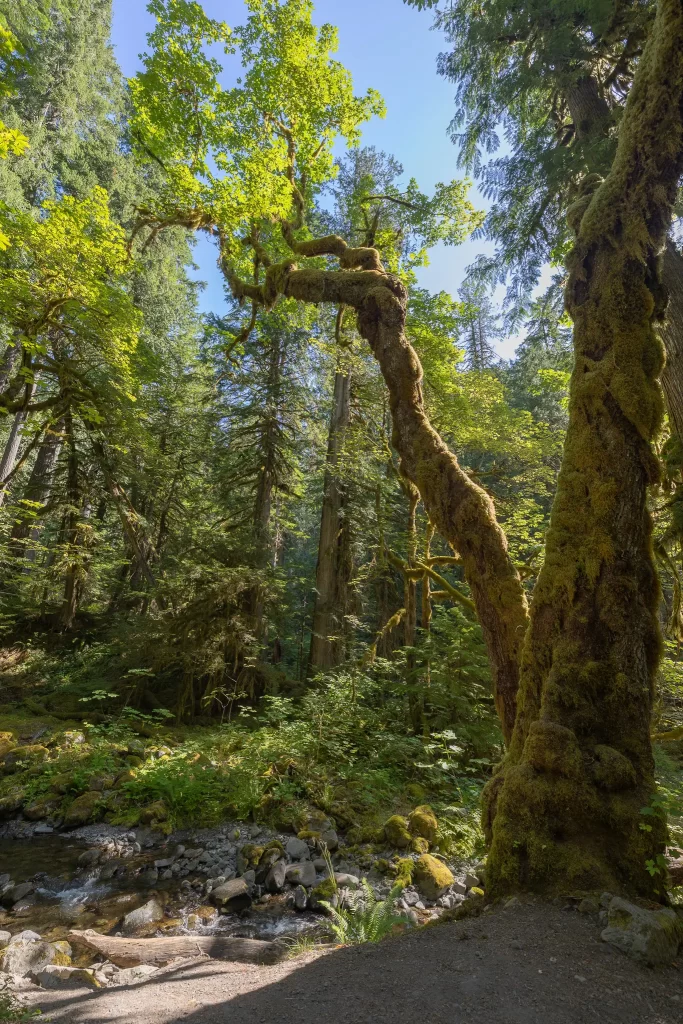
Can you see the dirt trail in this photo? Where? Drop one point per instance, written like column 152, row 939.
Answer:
column 532, row 964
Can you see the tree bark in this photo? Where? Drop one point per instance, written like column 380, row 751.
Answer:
column 671, row 331
column 331, row 574
column 133, row 952
column 37, row 490
column 9, row 456
column 565, row 810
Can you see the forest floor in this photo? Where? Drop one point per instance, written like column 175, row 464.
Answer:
column 529, row 964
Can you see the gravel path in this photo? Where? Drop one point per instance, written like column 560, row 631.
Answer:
column 531, row 964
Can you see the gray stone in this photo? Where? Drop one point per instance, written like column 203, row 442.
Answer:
column 346, row 880
column 250, row 876
column 471, row 880
column 300, row 898
column 320, row 864
column 297, row 849
column 148, row 913
column 53, row 976
column 17, row 892
column 301, row 874
column 651, row 936
column 194, row 854
column 27, row 957
column 275, row 879
column 410, row 899
column 26, row 936
column 231, row 894
column 330, row 839
column 4, row 879
column 89, row 857
column 458, row 888
column 43, row 830
column 167, row 874
column 149, row 877
column 5, row 939
column 165, row 862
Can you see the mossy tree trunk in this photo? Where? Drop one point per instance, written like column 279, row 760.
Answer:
column 565, row 810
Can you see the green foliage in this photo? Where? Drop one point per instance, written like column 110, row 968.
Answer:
column 364, row 918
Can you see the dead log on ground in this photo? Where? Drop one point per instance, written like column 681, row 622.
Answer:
column 133, row 952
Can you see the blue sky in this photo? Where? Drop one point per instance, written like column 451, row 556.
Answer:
column 385, row 45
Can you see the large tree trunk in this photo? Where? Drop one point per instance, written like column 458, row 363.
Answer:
column 565, row 810
column 331, row 574
column 37, row 491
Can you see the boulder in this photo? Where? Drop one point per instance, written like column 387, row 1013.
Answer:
column 275, row 879
column 432, row 877
column 422, row 822
column 7, row 743
column 17, row 757
column 297, row 849
column 26, row 936
column 300, row 898
column 53, row 976
column 346, row 881
column 301, row 874
column 89, row 858
column 5, row 939
column 100, row 783
column 330, row 839
column 652, row 937
column 82, row 809
column 154, row 812
column 11, row 802
column 24, row 958
column 43, row 808
column 232, row 896
column 17, row 892
column 396, row 832
column 148, row 913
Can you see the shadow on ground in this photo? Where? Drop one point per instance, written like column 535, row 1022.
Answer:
column 533, row 964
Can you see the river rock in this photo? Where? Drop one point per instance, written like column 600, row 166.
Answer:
column 432, row 877
column 301, row 874
column 297, row 849
column 300, row 898
column 330, row 839
column 53, row 976
column 24, row 958
column 231, row 894
column 26, row 936
column 19, row 756
column 275, row 879
column 346, row 881
column 17, row 892
column 471, row 880
column 148, row 913
column 89, row 857
column 5, row 939
column 651, row 936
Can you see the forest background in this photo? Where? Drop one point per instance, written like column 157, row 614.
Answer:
column 206, row 535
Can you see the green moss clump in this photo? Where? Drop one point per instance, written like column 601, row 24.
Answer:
column 415, row 792
column 83, row 809
column 612, row 771
column 396, row 832
column 419, row 845
column 422, row 822
column 432, row 877
column 157, row 811
column 307, row 833
column 404, row 868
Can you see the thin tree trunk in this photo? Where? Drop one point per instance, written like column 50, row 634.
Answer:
column 410, row 618
column 565, row 810
column 9, row 456
column 671, row 331
column 331, row 577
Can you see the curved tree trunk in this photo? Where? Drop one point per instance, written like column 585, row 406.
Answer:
column 565, row 810
column 461, row 511
column 331, row 574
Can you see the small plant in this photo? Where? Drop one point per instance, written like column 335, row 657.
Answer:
column 365, row 918
column 300, row 945
column 12, row 1013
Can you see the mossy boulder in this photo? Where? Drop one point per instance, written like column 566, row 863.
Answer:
column 432, row 877
column 123, row 778
column 42, row 808
column 7, row 743
column 11, row 802
column 134, row 761
column 396, row 832
column 63, row 783
column 83, row 809
column 422, row 822
column 419, row 845
column 404, row 869
column 415, row 792
column 21, row 757
column 101, row 782
column 156, row 812
column 248, row 856
column 325, row 891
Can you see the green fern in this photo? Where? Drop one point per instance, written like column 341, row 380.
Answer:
column 365, row 918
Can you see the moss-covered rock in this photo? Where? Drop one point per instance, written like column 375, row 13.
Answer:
column 63, row 783
column 432, row 877
column 7, row 743
column 156, row 812
column 83, row 809
column 404, row 869
column 416, row 792
column 396, row 832
column 42, row 808
column 422, row 822
column 101, row 782
column 325, row 891
column 419, row 845
column 248, row 856
column 21, row 757
column 11, row 802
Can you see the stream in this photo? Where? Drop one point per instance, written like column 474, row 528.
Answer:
column 67, row 894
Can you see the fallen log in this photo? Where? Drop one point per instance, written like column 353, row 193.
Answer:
column 133, row 952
